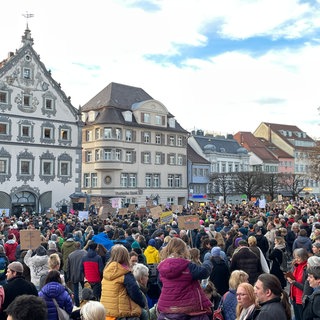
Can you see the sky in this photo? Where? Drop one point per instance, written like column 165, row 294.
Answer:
column 221, row 66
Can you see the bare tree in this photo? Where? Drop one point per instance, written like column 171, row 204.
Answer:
column 315, row 162
column 293, row 183
column 272, row 184
column 221, row 184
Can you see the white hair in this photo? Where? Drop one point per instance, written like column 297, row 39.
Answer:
column 93, row 310
column 139, row 270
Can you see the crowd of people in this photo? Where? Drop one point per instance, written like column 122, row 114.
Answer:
column 243, row 261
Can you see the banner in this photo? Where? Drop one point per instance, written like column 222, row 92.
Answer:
column 83, row 215
column 166, row 217
column 189, row 222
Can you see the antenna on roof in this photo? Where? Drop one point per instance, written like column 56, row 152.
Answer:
column 28, row 16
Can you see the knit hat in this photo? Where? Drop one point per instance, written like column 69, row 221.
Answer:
column 243, row 230
column 41, row 251
column 135, row 245
column 87, row 294
column 52, row 245
column 314, row 261
column 152, row 242
column 16, row 266
column 216, row 251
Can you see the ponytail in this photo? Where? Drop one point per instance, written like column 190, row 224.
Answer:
column 286, row 304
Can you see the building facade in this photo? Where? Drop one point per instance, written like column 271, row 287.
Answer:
column 133, row 150
column 40, row 136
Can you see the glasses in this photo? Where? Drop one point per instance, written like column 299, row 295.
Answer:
column 240, row 294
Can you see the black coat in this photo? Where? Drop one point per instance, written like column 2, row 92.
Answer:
column 275, row 257
column 311, row 310
column 220, row 275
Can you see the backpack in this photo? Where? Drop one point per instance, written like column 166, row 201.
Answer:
column 3, row 267
column 284, row 265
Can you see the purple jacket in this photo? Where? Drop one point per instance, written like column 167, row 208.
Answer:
column 181, row 291
column 59, row 292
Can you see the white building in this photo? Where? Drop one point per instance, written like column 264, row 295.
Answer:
column 40, row 136
column 133, row 149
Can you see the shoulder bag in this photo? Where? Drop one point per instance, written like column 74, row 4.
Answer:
column 62, row 314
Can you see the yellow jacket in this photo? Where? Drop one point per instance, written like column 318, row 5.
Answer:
column 152, row 255
column 114, row 295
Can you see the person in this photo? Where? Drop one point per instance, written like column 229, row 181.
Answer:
column 86, row 296
column 92, row 268
column 275, row 257
column 195, row 255
column 247, row 308
column 311, row 304
column 252, row 242
column 4, row 262
column 54, row 264
column 67, row 247
column 38, row 264
column 93, row 310
column 151, row 252
column 141, row 274
column 246, row 260
column 26, row 307
column 220, row 273
column 229, row 299
column 74, row 273
column 300, row 259
column 120, row 294
column 212, row 294
column 16, row 286
column 316, row 249
column 10, row 247
column 181, row 296
column 273, row 300
column 53, row 289
column 302, row 241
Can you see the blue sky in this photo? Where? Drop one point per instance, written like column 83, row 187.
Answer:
column 221, row 66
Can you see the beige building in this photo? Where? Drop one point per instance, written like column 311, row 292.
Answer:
column 133, row 149
column 40, row 136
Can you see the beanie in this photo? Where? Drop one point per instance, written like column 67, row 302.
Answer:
column 216, row 251
column 152, row 242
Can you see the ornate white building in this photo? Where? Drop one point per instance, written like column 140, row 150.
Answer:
column 40, row 136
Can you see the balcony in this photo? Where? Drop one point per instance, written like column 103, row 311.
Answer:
column 108, row 165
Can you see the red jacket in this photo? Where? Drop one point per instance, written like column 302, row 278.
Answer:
column 298, row 272
column 10, row 247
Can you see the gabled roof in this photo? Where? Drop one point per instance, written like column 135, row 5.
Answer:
column 279, row 153
column 117, row 95
column 194, row 157
column 254, row 145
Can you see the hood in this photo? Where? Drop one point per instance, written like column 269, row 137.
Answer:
column 301, row 239
column 114, row 270
column 53, row 289
column 68, row 243
column 91, row 253
column 39, row 260
column 150, row 249
column 11, row 241
column 173, row 267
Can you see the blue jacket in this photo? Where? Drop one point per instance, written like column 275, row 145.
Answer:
column 57, row 291
column 92, row 266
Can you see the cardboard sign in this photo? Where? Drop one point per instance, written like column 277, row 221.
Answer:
column 83, row 215
column 132, row 207
column 177, row 208
column 122, row 211
column 166, row 217
column 156, row 212
column 189, row 222
column 29, row 239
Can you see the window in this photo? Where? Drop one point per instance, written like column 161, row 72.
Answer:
column 25, row 131
column 146, row 157
column 107, row 133
column 26, row 100
column 25, row 167
column 94, row 180
column 88, row 156
column 129, row 156
column 128, row 135
column 145, row 117
column 160, row 120
column 3, row 166
column 98, row 133
column 26, row 73
column 177, row 181
column 3, row 97
column 107, row 154
column 64, row 168
column 47, row 133
column 118, row 155
column 132, row 180
column 47, row 167
column 124, row 180
column 118, row 134
column 86, row 180
column 179, row 141
column 156, row 180
column 97, row 153
column 158, row 138
column 180, row 160
column 49, row 104
column 65, row 134
column 3, row 128
column 172, row 159
column 170, row 180
column 158, row 158
column 148, row 180
column 128, row 180
column 170, row 200
column 89, row 135
column 146, row 137
column 171, row 140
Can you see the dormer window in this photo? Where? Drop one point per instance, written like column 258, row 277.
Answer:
column 145, row 117
column 26, row 73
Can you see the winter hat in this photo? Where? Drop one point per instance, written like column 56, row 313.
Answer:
column 152, row 242
column 314, row 261
column 41, row 251
column 216, row 251
column 243, row 230
column 54, row 237
column 52, row 245
column 16, row 266
column 87, row 294
column 135, row 245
